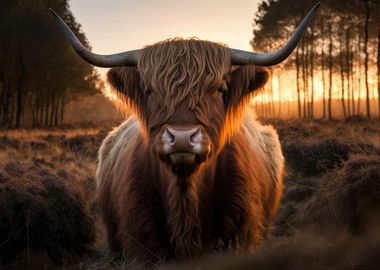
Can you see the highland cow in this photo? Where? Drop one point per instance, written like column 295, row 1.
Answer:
column 191, row 171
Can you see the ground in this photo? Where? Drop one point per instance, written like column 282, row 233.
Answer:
column 327, row 217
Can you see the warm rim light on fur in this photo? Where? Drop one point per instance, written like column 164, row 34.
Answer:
column 229, row 194
column 179, row 68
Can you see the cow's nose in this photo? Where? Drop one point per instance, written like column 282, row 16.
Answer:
column 183, row 148
column 182, row 139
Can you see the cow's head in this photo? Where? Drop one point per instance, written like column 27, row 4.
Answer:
column 184, row 92
column 188, row 94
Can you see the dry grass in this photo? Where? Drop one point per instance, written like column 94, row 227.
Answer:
column 332, row 181
column 47, row 187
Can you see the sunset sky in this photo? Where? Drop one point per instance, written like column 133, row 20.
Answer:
column 118, row 25
column 114, row 26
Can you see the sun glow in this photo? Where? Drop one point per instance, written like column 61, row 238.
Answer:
column 110, row 94
column 280, row 98
column 283, row 88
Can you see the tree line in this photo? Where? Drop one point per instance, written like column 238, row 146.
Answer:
column 39, row 73
column 340, row 51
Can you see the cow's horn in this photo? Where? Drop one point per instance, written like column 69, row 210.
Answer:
column 239, row 57
column 120, row 59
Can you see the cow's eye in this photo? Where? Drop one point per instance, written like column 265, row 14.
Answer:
column 148, row 92
column 222, row 88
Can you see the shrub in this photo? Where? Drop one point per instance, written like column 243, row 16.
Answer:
column 41, row 214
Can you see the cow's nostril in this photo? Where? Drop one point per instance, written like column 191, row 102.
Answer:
column 196, row 136
column 169, row 136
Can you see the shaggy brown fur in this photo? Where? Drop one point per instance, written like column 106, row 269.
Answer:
column 154, row 214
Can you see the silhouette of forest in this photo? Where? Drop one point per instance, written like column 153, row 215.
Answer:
column 335, row 69
column 39, row 73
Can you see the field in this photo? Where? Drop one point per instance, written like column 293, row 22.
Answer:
column 328, row 216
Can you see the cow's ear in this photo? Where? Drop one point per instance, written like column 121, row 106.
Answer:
column 125, row 82
column 246, row 80
column 260, row 79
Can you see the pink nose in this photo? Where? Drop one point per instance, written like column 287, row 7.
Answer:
column 183, row 139
column 183, row 148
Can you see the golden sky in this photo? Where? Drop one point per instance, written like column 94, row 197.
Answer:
column 118, row 25
column 114, row 26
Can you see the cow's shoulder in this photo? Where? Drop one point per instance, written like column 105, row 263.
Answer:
column 265, row 144
column 115, row 148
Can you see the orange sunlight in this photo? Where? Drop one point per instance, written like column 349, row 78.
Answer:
column 284, row 87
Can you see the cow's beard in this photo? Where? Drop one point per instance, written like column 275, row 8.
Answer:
column 185, row 232
column 184, row 165
column 181, row 175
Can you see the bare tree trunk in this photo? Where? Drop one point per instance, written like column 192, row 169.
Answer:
column 37, row 108
column 342, row 76
column 46, row 112
column 312, row 72
column 366, row 39
column 40, row 113
column 352, row 36
column 57, row 104
column 331, row 70
column 1, row 95
column 268, row 104
column 270, row 99
column 5, row 103
column 348, row 76
column 306, row 68
column 378, row 72
column 20, row 101
column 304, row 78
column 11, row 110
column 33, row 108
column 323, row 67
column 298, row 83
column 359, row 70
column 52, row 111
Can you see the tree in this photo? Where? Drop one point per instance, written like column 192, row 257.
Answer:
column 39, row 73
column 366, row 61
column 344, row 37
column 378, row 71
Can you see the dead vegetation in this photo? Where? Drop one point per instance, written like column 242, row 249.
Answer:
column 47, row 213
column 328, row 217
column 42, row 212
column 348, row 199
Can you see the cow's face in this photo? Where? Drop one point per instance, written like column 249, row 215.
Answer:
column 185, row 94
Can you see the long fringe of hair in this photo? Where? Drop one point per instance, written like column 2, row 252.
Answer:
column 179, row 70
